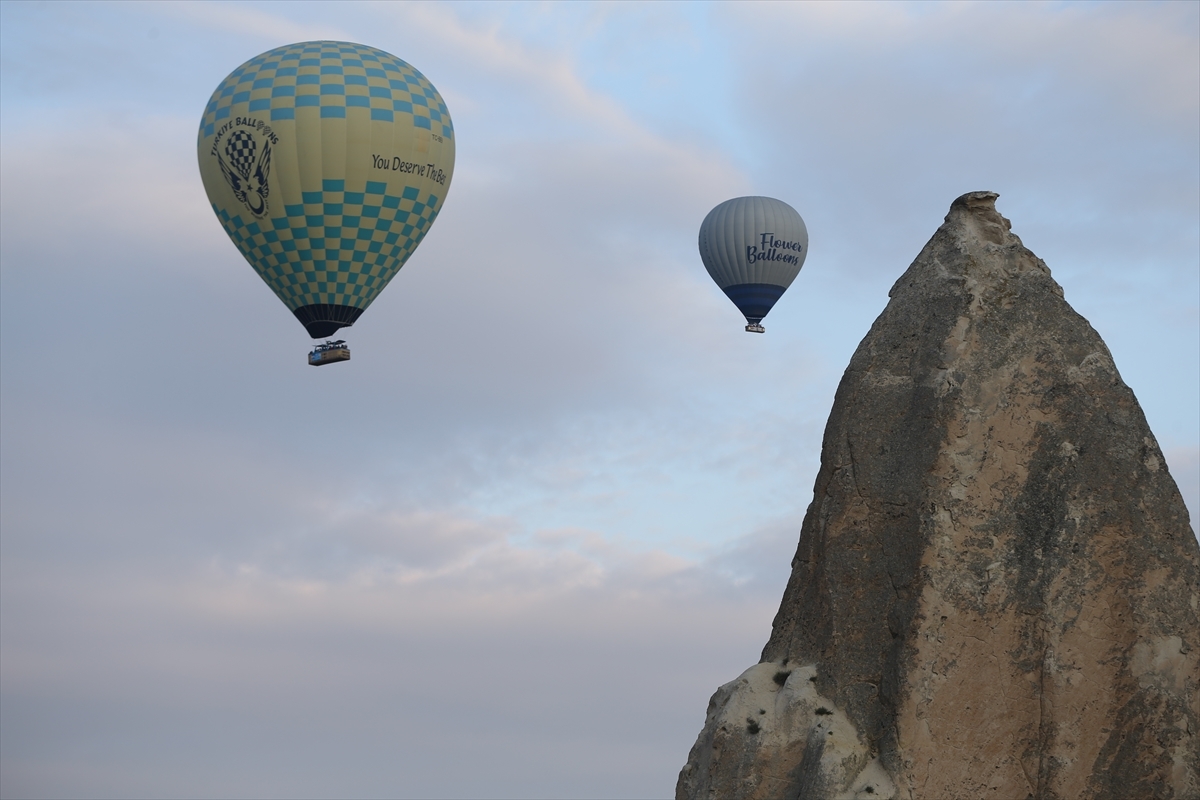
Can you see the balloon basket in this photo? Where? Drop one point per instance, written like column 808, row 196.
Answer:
column 754, row 327
column 329, row 353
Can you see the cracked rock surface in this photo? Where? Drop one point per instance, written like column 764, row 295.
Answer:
column 997, row 588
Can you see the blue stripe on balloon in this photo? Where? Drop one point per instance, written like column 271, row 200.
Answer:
column 754, row 300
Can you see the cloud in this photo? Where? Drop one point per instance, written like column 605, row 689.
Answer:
column 68, row 189
column 243, row 20
column 1139, row 53
column 1046, row 104
column 590, row 659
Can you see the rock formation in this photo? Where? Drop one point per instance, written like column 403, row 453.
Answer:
column 997, row 590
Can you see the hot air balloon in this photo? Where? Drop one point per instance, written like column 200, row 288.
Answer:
column 326, row 163
column 753, row 247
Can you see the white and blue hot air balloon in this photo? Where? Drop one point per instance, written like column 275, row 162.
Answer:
column 753, row 247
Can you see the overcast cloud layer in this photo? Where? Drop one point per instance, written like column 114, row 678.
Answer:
column 512, row 548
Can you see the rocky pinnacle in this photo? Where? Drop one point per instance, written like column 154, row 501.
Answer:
column 996, row 592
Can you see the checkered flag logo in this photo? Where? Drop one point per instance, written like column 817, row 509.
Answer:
column 247, row 176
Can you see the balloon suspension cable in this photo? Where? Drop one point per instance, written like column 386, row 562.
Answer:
column 754, row 327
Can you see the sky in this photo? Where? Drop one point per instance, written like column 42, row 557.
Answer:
column 513, row 546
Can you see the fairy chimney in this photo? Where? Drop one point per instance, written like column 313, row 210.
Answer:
column 997, row 589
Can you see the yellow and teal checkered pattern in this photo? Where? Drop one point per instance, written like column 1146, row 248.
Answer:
column 337, row 247
column 332, row 220
column 333, row 76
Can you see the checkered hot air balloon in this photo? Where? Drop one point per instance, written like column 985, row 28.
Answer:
column 753, row 247
column 326, row 163
column 239, row 149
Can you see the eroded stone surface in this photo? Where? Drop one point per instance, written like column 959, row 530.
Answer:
column 997, row 589
column 773, row 735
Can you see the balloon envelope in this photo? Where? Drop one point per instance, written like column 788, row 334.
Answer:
column 326, row 163
column 753, row 247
